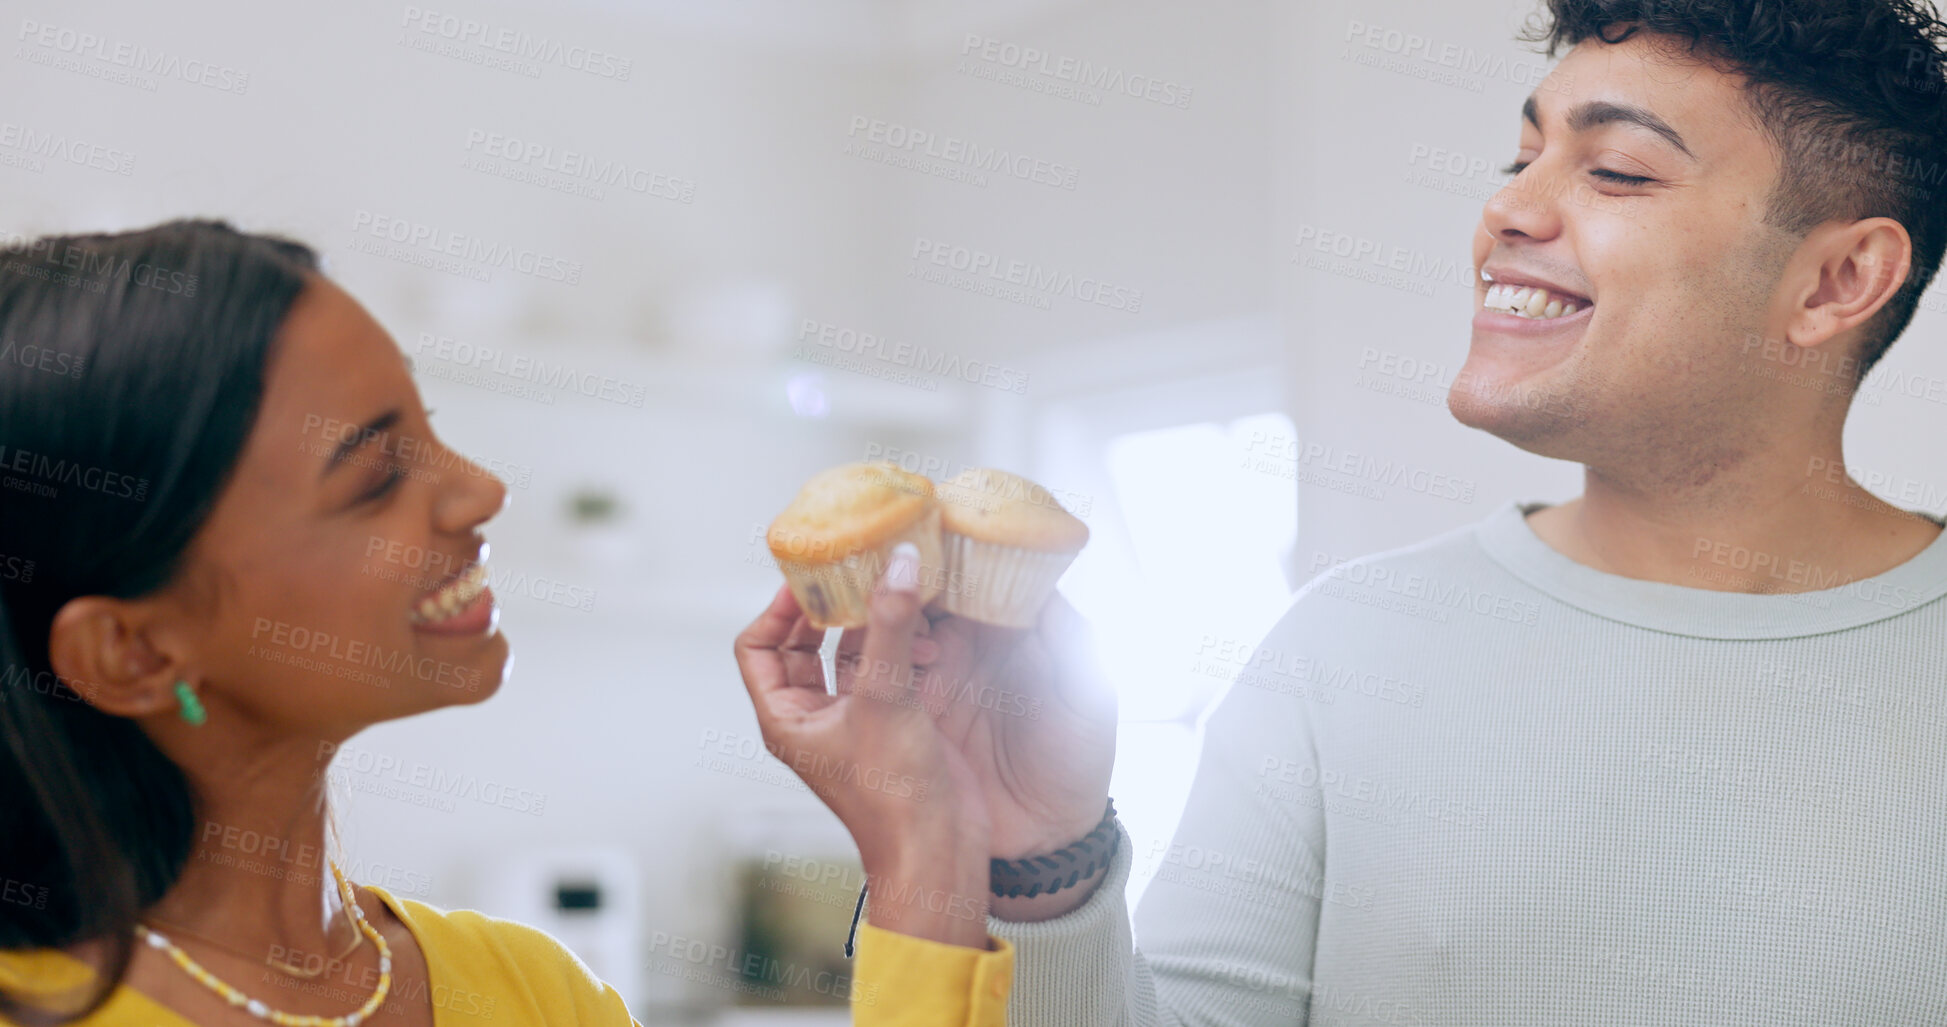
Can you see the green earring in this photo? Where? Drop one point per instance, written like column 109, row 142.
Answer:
column 192, row 710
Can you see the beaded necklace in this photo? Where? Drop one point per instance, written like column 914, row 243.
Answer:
column 256, row 1007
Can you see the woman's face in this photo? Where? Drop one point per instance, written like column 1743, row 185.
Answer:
column 345, row 514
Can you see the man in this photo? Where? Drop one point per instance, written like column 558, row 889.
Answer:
column 1673, row 751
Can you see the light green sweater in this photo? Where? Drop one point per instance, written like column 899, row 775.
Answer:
column 1472, row 781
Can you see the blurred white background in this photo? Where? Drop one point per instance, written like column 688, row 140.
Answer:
column 1169, row 348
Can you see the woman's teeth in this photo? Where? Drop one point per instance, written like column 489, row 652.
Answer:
column 1528, row 301
column 453, row 598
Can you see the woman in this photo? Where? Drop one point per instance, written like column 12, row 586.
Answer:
column 201, row 438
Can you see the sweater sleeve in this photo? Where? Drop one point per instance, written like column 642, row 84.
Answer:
column 1228, row 925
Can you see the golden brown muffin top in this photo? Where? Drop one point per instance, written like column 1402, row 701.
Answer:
column 849, row 509
column 1006, row 509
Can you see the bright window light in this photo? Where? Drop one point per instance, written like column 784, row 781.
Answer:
column 1204, row 522
column 1191, row 553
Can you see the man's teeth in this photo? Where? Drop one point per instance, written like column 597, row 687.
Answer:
column 1528, row 301
column 454, row 597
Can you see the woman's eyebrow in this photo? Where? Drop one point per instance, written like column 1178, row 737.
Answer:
column 370, row 431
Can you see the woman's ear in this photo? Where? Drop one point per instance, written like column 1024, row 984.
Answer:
column 100, row 646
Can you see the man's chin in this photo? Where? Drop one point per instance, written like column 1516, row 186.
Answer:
column 1524, row 413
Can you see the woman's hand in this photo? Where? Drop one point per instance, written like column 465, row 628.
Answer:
column 874, row 754
column 1036, row 726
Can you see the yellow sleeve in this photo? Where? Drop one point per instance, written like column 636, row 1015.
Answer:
column 903, row 981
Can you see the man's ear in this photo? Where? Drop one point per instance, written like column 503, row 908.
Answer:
column 100, row 646
column 1861, row 267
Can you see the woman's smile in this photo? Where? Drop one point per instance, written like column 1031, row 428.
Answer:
column 462, row 605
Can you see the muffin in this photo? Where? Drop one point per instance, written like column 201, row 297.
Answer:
column 1007, row 541
column 834, row 539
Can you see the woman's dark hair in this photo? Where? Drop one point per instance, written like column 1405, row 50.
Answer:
column 131, row 369
column 1853, row 94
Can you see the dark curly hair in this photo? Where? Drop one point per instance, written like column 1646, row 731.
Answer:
column 1852, row 93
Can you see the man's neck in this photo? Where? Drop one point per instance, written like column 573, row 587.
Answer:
column 1789, row 535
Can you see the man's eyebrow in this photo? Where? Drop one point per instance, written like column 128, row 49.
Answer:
column 1588, row 115
column 370, row 431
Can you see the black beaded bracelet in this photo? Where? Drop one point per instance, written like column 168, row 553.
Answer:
column 1037, row 875
column 1041, row 875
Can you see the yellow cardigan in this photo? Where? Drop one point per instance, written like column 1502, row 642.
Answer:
column 484, row 971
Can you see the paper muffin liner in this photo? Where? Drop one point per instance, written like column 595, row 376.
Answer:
column 997, row 584
column 835, row 594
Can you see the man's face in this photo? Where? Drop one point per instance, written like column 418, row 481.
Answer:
column 1657, row 238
